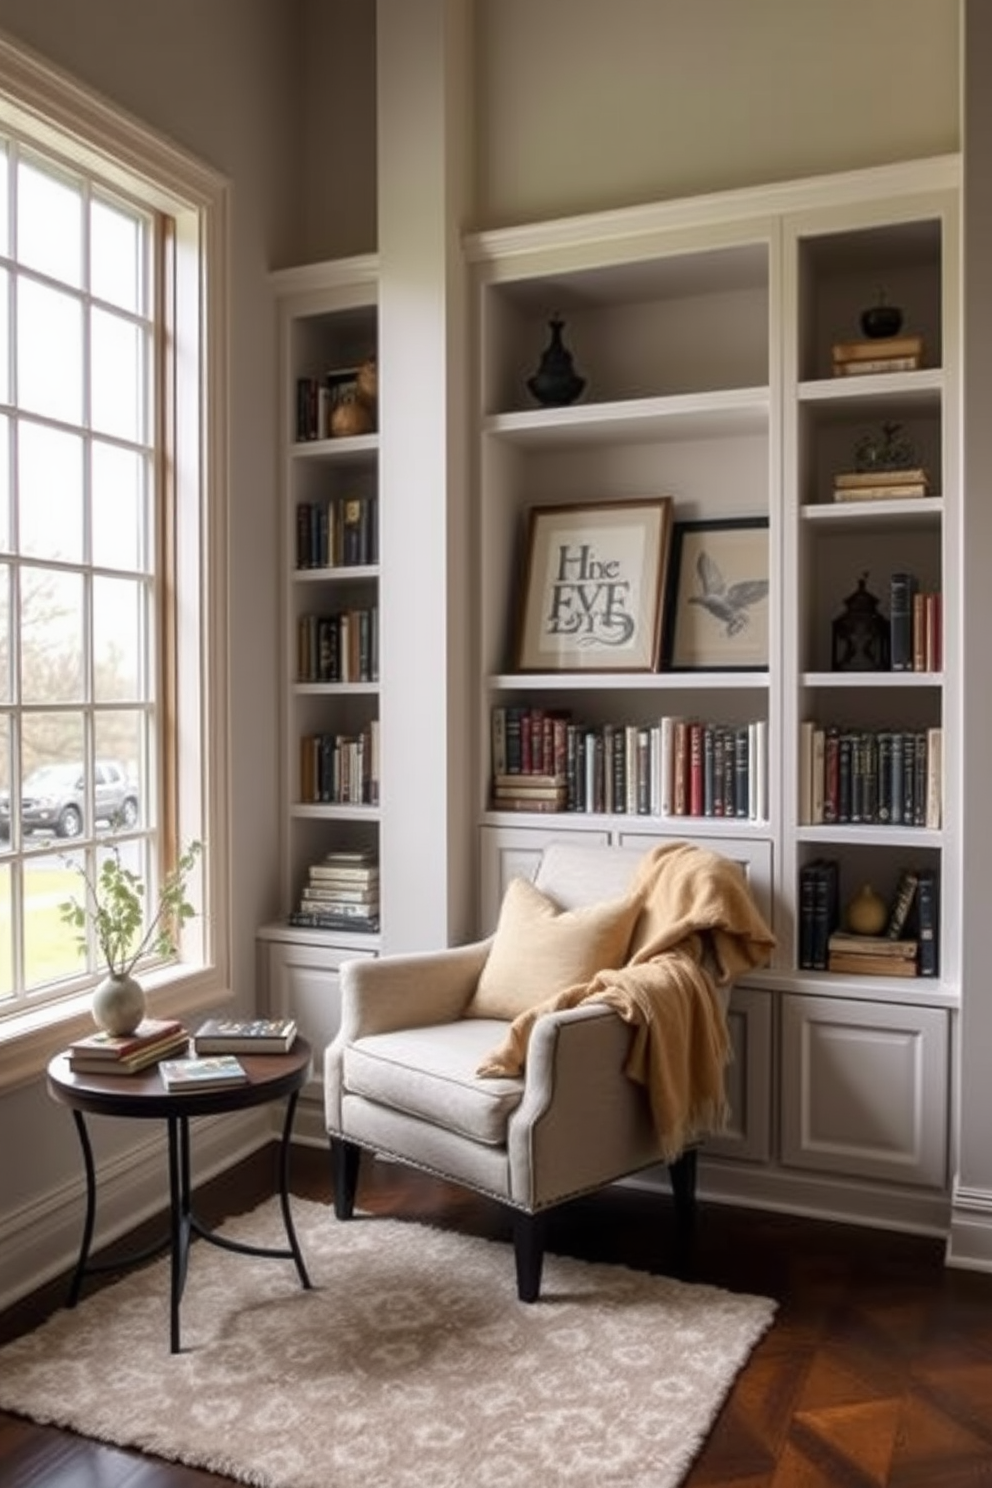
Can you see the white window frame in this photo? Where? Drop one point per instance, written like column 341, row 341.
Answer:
column 47, row 106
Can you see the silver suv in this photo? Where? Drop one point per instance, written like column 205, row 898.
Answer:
column 53, row 799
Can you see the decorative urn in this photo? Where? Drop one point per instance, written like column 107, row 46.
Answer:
column 556, row 382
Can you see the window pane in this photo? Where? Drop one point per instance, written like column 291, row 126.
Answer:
column 5, row 758
column 53, row 796
column 49, row 493
column 118, row 639
column 120, row 739
column 51, row 637
column 6, row 691
column 4, row 219
column 49, row 223
column 119, row 509
column 5, row 543
column 117, row 249
column 4, row 337
column 50, row 953
column 117, row 389
column 49, row 352
column 6, row 937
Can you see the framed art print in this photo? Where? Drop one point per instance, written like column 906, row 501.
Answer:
column 594, row 587
column 717, row 613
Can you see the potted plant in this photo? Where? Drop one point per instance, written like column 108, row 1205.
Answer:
column 114, row 903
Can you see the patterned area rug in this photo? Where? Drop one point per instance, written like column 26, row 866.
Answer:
column 410, row 1365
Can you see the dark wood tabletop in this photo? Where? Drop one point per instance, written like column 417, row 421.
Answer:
column 144, row 1096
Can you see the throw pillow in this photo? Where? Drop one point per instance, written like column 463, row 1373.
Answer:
column 540, row 950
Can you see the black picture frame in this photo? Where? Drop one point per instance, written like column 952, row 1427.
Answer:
column 717, row 611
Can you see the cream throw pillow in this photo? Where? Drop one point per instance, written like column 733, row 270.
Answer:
column 539, row 950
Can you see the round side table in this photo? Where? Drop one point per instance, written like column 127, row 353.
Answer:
column 143, row 1097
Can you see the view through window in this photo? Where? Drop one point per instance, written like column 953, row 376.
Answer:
column 81, row 523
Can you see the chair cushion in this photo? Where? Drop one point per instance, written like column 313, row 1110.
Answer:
column 539, row 950
column 430, row 1073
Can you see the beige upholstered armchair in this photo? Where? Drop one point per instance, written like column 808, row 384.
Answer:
column 558, row 1113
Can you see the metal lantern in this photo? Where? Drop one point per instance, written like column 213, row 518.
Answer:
column 861, row 634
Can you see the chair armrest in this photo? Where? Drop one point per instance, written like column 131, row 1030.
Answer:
column 392, row 992
column 582, row 1121
column 408, row 991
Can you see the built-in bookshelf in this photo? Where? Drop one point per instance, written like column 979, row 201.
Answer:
column 725, row 367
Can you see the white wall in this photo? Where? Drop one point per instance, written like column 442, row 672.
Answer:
column 585, row 105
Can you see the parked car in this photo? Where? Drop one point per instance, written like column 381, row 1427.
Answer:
column 53, row 799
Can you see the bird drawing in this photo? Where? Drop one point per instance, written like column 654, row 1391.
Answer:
column 729, row 603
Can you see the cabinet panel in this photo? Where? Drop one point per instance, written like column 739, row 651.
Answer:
column 304, row 983
column 749, row 1079
column 510, row 852
column 865, row 1088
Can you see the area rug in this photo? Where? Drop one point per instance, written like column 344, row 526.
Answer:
column 410, row 1365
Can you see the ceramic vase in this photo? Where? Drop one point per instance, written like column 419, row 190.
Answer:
column 118, row 1004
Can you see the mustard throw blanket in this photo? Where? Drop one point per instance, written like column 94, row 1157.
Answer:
column 697, row 912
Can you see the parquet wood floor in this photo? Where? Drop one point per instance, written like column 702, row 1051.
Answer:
column 876, row 1374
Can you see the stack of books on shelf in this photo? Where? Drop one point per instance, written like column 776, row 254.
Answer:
column 245, row 1036
column 202, row 1072
column 871, row 955
column 884, row 354
column 531, row 792
column 883, row 777
column 881, row 485
column 341, row 769
column 819, row 911
column 339, row 532
column 127, row 1054
column 714, row 769
column 340, row 647
column 341, row 893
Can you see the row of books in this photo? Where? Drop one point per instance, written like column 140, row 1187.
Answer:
column 915, row 626
column 714, row 769
column 341, row 532
column 603, row 768
column 885, row 354
column 910, row 945
column 317, row 398
column 885, row 777
column 341, row 769
column 341, row 893
column 340, row 647
column 881, row 485
column 167, row 1042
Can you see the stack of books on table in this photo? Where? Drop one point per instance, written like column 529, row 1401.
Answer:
column 202, row 1072
column 881, row 485
column 883, row 354
column 341, row 893
column 127, row 1054
column 245, row 1036
column 872, row 955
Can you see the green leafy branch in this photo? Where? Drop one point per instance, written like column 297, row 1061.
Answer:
column 114, row 903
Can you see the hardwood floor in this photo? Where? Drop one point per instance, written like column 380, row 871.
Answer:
column 876, row 1374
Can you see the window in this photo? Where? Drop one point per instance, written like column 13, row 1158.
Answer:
column 112, row 502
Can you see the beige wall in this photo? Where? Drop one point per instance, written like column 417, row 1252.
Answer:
column 585, row 105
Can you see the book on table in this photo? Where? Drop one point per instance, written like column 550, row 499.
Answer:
column 245, row 1036
column 203, row 1072
column 128, row 1054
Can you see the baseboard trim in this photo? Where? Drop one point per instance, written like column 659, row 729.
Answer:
column 969, row 1244
column 40, row 1241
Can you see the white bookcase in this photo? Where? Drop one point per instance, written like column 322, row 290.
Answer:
column 328, row 317
column 705, row 330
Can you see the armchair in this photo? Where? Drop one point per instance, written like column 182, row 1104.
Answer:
column 402, row 1076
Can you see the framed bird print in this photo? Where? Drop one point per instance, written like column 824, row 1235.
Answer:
column 593, row 594
column 717, row 611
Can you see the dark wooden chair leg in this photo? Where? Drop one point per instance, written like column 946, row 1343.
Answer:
column 528, row 1249
column 345, row 1160
column 682, row 1174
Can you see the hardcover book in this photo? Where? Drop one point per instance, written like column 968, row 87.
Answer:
column 245, row 1036
column 109, row 1048
column 83, row 1063
column 206, row 1072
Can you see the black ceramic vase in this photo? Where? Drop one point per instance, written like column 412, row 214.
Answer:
column 556, row 382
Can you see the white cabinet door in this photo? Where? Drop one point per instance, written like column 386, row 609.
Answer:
column 864, row 1089
column 304, row 983
column 749, row 1079
column 514, row 852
